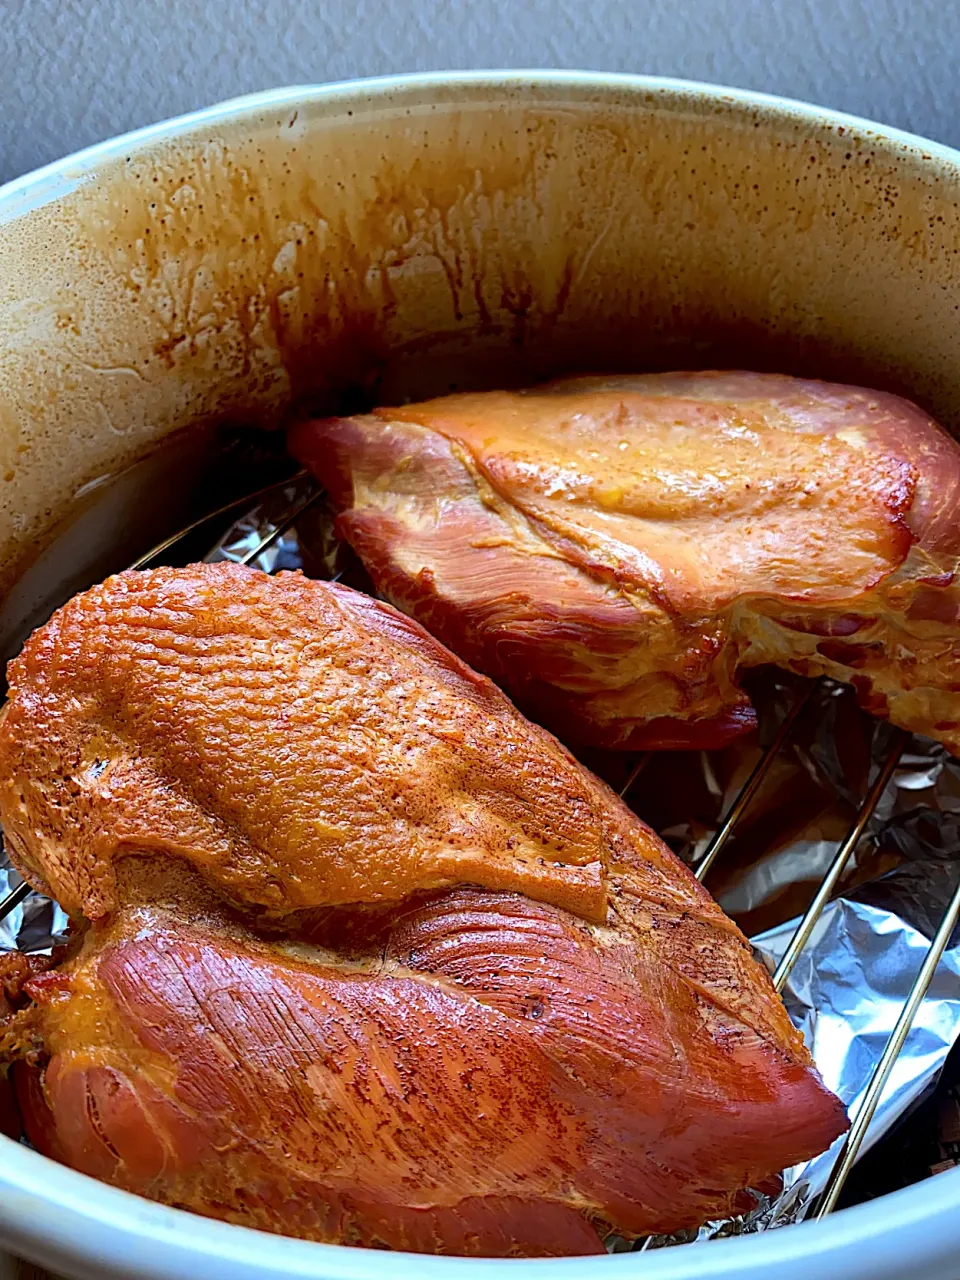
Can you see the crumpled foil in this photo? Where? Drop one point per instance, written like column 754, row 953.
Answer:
column 850, row 982
column 36, row 925
column 308, row 543
column 845, row 995
column 244, row 537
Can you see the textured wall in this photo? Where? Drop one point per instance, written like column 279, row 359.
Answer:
column 75, row 71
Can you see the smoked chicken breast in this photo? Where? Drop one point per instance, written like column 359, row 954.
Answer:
column 365, row 957
column 616, row 551
column 471, row 1072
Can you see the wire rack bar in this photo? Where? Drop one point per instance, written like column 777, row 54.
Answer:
column 267, row 541
column 874, row 1091
column 14, row 898
column 840, row 859
column 248, row 501
column 640, row 764
column 753, row 784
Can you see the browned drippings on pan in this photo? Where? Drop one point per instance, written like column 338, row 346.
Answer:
column 345, row 250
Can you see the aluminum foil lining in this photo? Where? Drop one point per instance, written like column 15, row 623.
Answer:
column 36, row 925
column 849, row 985
column 242, row 539
column 845, row 995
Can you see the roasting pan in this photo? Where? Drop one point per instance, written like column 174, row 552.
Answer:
column 324, row 247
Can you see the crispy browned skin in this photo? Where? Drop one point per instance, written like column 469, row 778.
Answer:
column 451, row 1069
column 469, row 1073
column 615, row 551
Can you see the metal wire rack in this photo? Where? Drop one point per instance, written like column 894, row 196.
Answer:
column 863, row 1115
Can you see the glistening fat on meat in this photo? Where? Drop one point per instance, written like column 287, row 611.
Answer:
column 616, row 552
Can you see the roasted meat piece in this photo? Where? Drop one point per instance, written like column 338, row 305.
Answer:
column 300, row 743
column 367, row 957
column 470, row 1072
column 15, row 970
column 615, row 552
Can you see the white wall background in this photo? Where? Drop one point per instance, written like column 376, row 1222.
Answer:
column 75, row 71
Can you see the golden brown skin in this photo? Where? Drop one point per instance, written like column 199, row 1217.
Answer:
column 615, row 551
column 416, row 1062
column 299, row 743
column 470, row 1072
